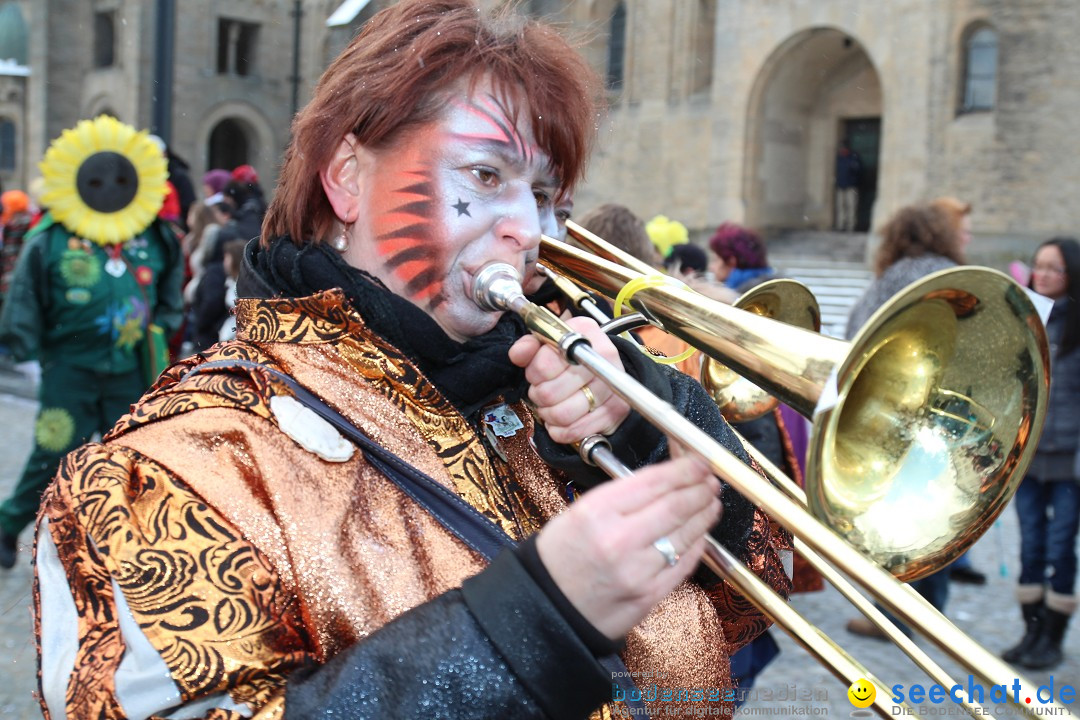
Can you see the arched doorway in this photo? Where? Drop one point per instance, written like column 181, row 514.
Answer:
column 228, row 146
column 816, row 90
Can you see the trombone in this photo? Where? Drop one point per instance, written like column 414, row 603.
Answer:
column 975, row 435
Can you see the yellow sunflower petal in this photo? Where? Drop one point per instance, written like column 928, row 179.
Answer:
column 60, row 167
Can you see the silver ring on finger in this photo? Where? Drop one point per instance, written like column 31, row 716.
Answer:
column 665, row 547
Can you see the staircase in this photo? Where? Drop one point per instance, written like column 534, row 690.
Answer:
column 831, row 264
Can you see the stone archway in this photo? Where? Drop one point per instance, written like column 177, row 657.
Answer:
column 243, row 124
column 228, row 145
column 814, row 89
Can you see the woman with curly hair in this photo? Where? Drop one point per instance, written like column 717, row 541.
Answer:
column 916, row 241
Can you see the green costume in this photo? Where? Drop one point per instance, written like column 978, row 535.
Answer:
column 82, row 310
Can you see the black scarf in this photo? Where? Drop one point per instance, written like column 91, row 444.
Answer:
column 469, row 374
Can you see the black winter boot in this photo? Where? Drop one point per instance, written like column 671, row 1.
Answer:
column 1033, row 623
column 9, row 550
column 1046, row 652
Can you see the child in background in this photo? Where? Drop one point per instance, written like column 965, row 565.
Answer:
column 234, row 256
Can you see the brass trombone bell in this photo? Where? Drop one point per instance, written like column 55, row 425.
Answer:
column 783, row 300
column 921, row 424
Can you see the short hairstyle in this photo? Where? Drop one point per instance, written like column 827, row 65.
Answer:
column 687, row 257
column 918, row 230
column 397, row 74
column 622, row 228
column 741, row 245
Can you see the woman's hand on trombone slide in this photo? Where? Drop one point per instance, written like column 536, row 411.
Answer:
column 569, row 399
column 624, row 545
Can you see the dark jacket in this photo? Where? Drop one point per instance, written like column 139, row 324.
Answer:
column 1056, row 456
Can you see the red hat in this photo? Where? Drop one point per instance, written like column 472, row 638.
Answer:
column 245, row 174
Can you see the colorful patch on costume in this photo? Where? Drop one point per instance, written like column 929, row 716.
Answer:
column 144, row 275
column 77, row 296
column 79, row 268
column 55, row 429
column 124, row 322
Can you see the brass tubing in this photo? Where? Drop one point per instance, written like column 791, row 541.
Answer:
column 497, row 287
column 728, row 567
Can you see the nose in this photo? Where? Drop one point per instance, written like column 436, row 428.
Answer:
column 521, row 223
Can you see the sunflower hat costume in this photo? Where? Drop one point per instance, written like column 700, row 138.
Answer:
column 104, row 181
column 94, row 296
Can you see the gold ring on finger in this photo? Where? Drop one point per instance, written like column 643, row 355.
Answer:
column 590, row 397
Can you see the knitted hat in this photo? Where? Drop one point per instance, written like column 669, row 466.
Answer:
column 245, row 174
column 216, row 179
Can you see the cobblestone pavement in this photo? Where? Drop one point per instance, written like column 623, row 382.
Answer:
column 987, row 613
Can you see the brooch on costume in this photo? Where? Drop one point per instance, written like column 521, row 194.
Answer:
column 104, row 181
column 499, row 421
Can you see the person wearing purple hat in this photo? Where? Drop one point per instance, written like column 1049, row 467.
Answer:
column 213, row 182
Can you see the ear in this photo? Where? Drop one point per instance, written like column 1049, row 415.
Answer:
column 346, row 177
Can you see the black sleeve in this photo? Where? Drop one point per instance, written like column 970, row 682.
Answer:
column 497, row 648
column 637, row 443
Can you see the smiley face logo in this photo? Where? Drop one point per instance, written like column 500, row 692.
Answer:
column 861, row 693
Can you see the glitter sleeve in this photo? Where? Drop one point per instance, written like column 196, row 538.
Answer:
column 494, row 649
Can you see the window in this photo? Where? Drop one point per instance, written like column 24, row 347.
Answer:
column 701, row 63
column 980, row 70
column 228, row 147
column 236, row 47
column 7, row 145
column 104, row 39
column 616, row 47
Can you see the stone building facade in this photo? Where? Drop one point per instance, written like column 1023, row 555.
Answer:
column 719, row 109
column 971, row 98
column 239, row 70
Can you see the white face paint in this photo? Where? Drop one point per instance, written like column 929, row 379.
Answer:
column 450, row 197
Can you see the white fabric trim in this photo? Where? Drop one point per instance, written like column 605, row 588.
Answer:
column 59, row 624
column 144, row 685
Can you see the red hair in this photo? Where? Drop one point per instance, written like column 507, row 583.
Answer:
column 397, row 74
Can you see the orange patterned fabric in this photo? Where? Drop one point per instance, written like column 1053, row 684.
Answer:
column 242, row 555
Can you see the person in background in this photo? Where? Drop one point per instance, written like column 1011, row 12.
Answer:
column 916, row 241
column 213, row 185
column 16, row 216
column 687, row 261
column 234, row 255
column 1048, row 499
column 261, row 566
column 665, row 234
column 848, row 171
column 83, row 296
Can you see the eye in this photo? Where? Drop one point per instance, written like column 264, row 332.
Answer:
column 543, row 199
column 562, row 215
column 487, row 176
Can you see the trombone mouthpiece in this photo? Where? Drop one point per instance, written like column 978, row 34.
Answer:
column 496, row 285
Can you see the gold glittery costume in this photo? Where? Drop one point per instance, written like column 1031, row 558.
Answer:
column 242, row 556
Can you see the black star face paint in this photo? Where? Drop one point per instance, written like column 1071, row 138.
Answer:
column 450, row 197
